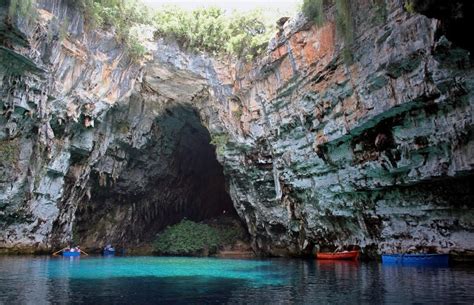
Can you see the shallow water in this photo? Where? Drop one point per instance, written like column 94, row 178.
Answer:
column 162, row 280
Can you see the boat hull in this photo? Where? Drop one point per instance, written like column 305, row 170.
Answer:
column 71, row 254
column 416, row 259
column 108, row 253
column 349, row 255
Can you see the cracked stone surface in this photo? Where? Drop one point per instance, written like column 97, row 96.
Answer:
column 317, row 151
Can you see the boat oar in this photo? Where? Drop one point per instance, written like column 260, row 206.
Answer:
column 83, row 252
column 56, row 253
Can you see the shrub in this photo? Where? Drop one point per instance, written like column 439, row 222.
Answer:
column 344, row 27
column 191, row 238
column 314, row 10
column 22, row 8
column 409, row 7
column 237, row 113
column 220, row 141
column 211, row 30
column 9, row 152
column 123, row 16
column 208, row 30
column 187, row 238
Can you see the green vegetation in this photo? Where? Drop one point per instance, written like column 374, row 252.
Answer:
column 381, row 11
column 9, row 152
column 345, row 28
column 208, row 30
column 23, row 8
column 63, row 29
column 212, row 30
column 237, row 113
column 123, row 15
column 314, row 10
column 191, row 238
column 220, row 141
column 409, row 7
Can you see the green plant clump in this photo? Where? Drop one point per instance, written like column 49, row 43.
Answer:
column 213, row 31
column 345, row 28
column 314, row 10
column 22, row 8
column 409, row 6
column 125, row 16
column 208, row 30
column 188, row 238
column 9, row 152
column 220, row 141
column 191, row 238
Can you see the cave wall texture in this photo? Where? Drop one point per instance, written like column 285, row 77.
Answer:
column 316, row 149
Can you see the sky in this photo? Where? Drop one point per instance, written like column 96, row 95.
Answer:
column 240, row 5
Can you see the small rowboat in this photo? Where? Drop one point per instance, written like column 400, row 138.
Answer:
column 416, row 259
column 108, row 252
column 71, row 254
column 346, row 255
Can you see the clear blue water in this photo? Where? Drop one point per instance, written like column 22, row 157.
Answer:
column 161, row 280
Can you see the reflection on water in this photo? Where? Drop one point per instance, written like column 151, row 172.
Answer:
column 153, row 280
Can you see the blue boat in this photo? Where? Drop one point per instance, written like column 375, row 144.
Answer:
column 440, row 260
column 71, row 254
column 108, row 252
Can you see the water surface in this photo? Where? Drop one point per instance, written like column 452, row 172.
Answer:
column 171, row 280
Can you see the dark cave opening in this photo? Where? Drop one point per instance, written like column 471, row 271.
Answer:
column 175, row 175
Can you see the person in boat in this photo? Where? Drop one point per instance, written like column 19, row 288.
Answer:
column 109, row 248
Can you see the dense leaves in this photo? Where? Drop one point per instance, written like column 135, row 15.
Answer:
column 209, row 30
column 125, row 16
column 191, row 238
column 212, row 30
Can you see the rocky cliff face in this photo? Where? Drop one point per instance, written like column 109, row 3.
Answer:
column 376, row 153
column 315, row 150
column 58, row 81
column 85, row 157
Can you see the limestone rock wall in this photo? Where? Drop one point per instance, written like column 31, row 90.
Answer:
column 377, row 152
column 316, row 149
column 57, row 82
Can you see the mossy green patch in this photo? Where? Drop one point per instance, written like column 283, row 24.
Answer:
column 9, row 152
column 220, row 141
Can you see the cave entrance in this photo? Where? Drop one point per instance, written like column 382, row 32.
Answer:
column 175, row 175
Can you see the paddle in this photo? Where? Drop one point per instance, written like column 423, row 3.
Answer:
column 83, row 252
column 56, row 253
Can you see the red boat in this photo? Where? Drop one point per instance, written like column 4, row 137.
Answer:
column 346, row 255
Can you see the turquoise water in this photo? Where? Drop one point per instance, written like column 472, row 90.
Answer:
column 163, row 280
column 257, row 273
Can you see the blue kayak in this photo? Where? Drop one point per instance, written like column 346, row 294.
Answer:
column 71, row 254
column 416, row 259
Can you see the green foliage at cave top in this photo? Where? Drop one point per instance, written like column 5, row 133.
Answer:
column 123, row 15
column 210, row 30
column 213, row 31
